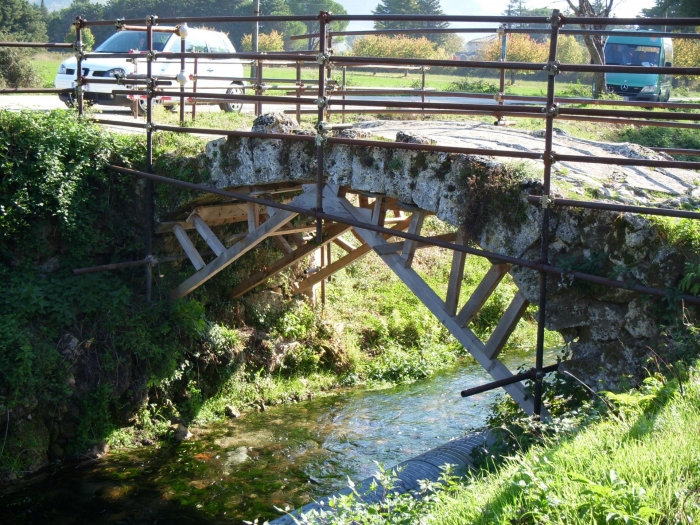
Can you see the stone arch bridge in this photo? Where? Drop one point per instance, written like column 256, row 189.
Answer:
column 609, row 332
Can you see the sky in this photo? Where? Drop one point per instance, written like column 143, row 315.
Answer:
column 623, row 9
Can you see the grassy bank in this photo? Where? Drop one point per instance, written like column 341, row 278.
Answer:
column 633, row 462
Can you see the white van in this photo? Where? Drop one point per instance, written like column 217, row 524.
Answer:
column 197, row 40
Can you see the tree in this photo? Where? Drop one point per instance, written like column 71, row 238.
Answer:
column 275, row 8
column 396, row 7
column 86, row 34
column 686, row 53
column 594, row 43
column 672, row 9
column 22, row 21
column 266, row 43
column 302, row 7
column 520, row 48
column 571, row 51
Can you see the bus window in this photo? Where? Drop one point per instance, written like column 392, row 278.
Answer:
column 632, row 55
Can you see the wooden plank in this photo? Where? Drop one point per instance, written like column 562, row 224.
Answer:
column 379, row 211
column 430, row 299
column 209, row 237
column 286, row 261
column 482, row 293
column 454, row 285
column 282, row 244
column 190, row 250
column 352, row 256
column 253, row 216
column 250, row 241
column 344, row 245
column 506, row 325
column 396, row 247
column 409, row 247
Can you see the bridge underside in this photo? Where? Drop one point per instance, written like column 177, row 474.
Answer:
column 296, row 243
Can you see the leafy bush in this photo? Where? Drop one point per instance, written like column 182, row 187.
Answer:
column 88, row 38
column 468, row 85
column 396, row 47
column 657, row 137
column 16, row 70
column 266, row 42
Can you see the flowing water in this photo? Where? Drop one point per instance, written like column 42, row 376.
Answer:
column 240, row 469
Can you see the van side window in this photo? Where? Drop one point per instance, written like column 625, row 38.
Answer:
column 195, row 44
column 217, row 44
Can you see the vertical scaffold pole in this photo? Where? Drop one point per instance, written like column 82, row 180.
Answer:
column 183, row 71
column 79, row 66
column 551, row 110
column 320, row 136
column 150, row 21
column 502, row 73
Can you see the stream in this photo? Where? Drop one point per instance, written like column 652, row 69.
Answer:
column 240, row 469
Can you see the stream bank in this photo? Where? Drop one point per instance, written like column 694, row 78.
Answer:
column 240, row 469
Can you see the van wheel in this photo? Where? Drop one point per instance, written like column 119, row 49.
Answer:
column 233, row 106
column 667, row 97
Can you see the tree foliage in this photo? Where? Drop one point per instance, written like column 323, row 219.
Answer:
column 87, row 36
column 673, row 9
column 303, row 7
column 520, row 48
column 266, row 43
column 22, row 20
column 449, row 42
column 686, row 53
column 399, row 46
column 16, row 69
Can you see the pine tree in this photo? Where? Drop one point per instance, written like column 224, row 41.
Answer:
column 396, row 7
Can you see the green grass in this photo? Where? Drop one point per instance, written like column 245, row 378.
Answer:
column 639, row 464
column 46, row 65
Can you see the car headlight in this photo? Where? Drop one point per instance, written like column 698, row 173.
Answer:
column 649, row 89
column 116, row 72
column 62, row 69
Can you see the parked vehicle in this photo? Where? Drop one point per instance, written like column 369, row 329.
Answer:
column 217, row 71
column 642, row 50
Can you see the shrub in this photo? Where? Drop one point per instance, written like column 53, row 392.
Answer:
column 266, row 43
column 88, row 38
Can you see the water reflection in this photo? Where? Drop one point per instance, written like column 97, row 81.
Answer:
column 284, row 457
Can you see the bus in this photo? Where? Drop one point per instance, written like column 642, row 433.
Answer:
column 642, row 50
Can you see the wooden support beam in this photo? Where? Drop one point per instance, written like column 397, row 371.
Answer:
column 454, row 285
column 482, row 293
column 250, row 241
column 344, row 245
column 330, row 233
column 430, row 299
column 506, row 325
column 397, row 247
column 409, row 246
column 352, row 256
column 190, row 250
column 379, row 211
column 253, row 216
column 282, row 244
column 209, row 237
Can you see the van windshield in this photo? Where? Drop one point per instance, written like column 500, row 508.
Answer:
column 126, row 41
column 632, row 55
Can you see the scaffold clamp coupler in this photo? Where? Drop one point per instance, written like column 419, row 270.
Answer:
column 552, row 67
column 501, row 30
column 322, row 59
column 150, row 126
column 321, row 139
column 151, row 55
column 151, row 20
column 553, row 110
column 119, row 24
column 323, row 127
column 498, row 97
column 546, row 201
column 322, row 102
